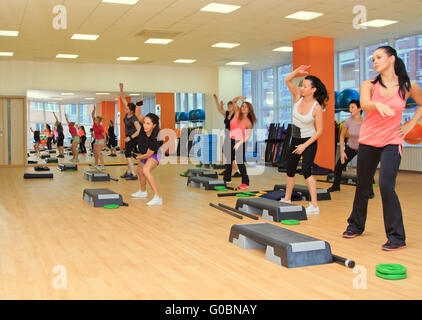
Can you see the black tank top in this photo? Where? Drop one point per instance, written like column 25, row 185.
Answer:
column 227, row 120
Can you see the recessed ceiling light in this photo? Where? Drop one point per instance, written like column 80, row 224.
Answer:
column 102, row 93
column 283, row 49
column 377, row 23
column 158, row 41
column 236, row 63
column 304, row 15
column 67, row 56
column 184, row 61
column 134, row 94
column 220, row 8
column 85, row 36
column 127, row 58
column 121, row 1
column 9, row 33
column 6, row 54
column 89, row 98
column 67, row 94
column 225, row 45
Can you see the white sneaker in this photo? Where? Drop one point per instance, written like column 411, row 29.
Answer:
column 285, row 201
column 140, row 194
column 155, row 201
column 312, row 210
column 101, row 168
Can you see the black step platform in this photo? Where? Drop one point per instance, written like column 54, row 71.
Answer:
column 272, row 210
column 204, row 183
column 101, row 197
column 284, row 247
column 95, row 176
column 322, row 194
column 202, row 173
column 67, row 167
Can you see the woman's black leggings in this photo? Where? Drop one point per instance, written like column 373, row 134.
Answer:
column 368, row 159
column 307, row 160
column 239, row 156
column 82, row 144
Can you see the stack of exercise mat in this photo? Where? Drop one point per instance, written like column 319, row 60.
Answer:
column 205, row 148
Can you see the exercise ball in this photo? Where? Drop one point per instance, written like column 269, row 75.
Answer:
column 183, row 116
column 336, row 104
column 410, row 103
column 345, row 97
column 200, row 115
column 415, row 135
column 176, row 116
column 192, row 115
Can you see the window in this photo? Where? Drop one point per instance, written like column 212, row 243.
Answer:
column 268, row 117
column 191, row 105
column 37, row 106
column 349, row 70
column 268, row 88
column 200, row 101
column 71, row 111
column 247, row 85
column 285, row 98
column 285, row 116
column 409, row 49
column 370, row 73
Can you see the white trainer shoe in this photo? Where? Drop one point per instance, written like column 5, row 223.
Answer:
column 155, row 201
column 285, row 201
column 312, row 210
column 140, row 194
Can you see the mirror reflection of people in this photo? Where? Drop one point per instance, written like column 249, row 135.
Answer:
column 60, row 137
column 37, row 140
column 111, row 139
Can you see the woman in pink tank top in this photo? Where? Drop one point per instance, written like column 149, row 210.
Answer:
column 240, row 131
column 381, row 141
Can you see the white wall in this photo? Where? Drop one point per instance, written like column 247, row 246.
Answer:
column 16, row 77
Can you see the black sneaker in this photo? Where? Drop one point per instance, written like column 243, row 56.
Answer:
column 333, row 188
column 236, row 175
column 389, row 246
column 127, row 174
column 350, row 234
column 132, row 177
column 222, row 173
column 371, row 196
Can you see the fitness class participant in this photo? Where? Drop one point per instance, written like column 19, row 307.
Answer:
column 60, row 137
column 148, row 157
column 380, row 142
column 240, row 131
column 75, row 139
column 112, row 139
column 347, row 153
column 132, row 129
column 309, row 101
column 82, row 136
column 37, row 141
column 100, row 137
column 228, row 116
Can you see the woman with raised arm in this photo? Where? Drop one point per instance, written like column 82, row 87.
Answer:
column 112, row 140
column 309, row 101
column 132, row 129
column 380, row 142
column 75, row 139
column 100, row 137
column 60, row 137
column 228, row 116
column 240, row 131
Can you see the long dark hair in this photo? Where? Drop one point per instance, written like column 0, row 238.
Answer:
column 320, row 94
column 251, row 113
column 399, row 69
column 132, row 107
column 155, row 120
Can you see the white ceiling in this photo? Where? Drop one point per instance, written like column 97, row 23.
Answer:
column 259, row 26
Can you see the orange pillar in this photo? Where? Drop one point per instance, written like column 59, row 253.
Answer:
column 122, row 110
column 168, row 114
column 318, row 52
column 108, row 112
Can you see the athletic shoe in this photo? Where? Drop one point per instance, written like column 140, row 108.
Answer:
column 60, row 156
column 350, row 234
column 243, row 186
column 155, row 201
column 140, row 194
column 132, row 177
column 127, row 174
column 285, row 201
column 92, row 166
column 101, row 168
column 312, row 210
column 228, row 182
column 236, row 175
column 333, row 188
column 389, row 246
column 222, row 173
column 371, row 196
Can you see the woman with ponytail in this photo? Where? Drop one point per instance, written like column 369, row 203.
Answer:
column 309, row 101
column 381, row 141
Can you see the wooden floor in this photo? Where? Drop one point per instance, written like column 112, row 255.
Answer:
column 181, row 250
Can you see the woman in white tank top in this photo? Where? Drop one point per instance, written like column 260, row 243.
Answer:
column 306, row 129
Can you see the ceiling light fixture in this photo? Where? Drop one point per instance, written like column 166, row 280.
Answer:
column 219, row 8
column 304, row 15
